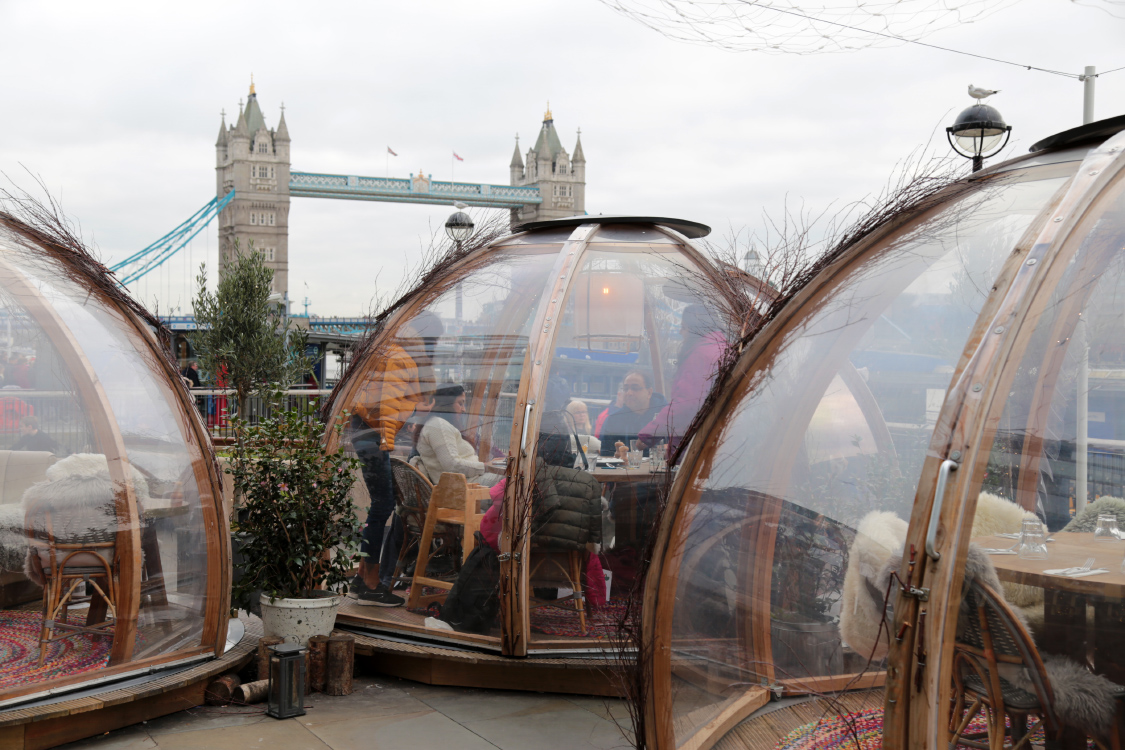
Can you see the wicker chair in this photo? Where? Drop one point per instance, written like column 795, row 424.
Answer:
column 65, row 563
column 990, row 642
column 412, row 497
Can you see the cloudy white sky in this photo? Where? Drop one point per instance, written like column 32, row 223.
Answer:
column 116, row 107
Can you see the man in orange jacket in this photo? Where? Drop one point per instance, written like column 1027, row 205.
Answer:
column 388, row 398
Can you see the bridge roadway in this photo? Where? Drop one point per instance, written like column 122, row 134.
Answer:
column 415, row 190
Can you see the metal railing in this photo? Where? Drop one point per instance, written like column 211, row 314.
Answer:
column 218, row 405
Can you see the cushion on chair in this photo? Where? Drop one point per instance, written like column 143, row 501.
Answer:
column 877, row 537
column 997, row 515
column 81, row 496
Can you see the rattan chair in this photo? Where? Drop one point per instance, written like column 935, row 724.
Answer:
column 65, row 563
column 412, row 497
column 990, row 643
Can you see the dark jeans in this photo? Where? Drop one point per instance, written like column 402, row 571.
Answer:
column 389, row 556
column 376, row 466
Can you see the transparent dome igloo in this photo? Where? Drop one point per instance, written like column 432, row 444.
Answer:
column 904, row 500
column 113, row 542
column 537, row 360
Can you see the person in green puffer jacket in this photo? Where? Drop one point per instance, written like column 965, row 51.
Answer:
column 567, row 506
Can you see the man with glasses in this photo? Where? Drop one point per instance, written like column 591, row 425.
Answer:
column 639, row 406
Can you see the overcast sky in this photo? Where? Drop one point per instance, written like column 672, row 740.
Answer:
column 116, row 107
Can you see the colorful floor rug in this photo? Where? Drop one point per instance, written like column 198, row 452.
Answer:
column 551, row 620
column 862, row 730
column 19, row 650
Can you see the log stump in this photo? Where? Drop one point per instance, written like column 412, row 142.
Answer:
column 252, row 692
column 318, row 656
column 339, row 665
column 220, row 692
column 264, row 644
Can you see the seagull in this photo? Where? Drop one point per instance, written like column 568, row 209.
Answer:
column 460, row 206
column 979, row 94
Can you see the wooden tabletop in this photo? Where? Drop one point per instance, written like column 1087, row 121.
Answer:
column 1068, row 550
column 623, row 473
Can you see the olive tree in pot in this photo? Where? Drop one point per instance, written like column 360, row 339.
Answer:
column 299, row 527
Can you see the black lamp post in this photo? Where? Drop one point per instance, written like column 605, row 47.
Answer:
column 459, row 227
column 978, row 132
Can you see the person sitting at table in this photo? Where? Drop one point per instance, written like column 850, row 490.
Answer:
column 639, row 406
column 611, row 409
column 577, row 410
column 702, row 349
column 440, row 445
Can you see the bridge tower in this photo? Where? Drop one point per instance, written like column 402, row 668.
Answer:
column 253, row 161
column 561, row 177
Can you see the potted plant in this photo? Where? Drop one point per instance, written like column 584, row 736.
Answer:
column 298, row 527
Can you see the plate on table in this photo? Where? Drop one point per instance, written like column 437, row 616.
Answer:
column 610, row 461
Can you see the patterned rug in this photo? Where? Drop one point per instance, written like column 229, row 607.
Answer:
column 19, row 650
column 563, row 620
column 862, row 730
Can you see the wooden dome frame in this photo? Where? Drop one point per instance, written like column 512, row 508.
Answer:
column 67, row 255
column 983, row 371
column 568, row 260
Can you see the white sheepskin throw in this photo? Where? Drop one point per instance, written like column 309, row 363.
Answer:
column 879, row 535
column 81, row 496
column 1086, row 520
column 996, row 515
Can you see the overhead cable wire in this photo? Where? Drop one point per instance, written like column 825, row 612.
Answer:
column 1076, row 76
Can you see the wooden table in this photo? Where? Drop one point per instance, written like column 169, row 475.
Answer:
column 1066, row 600
column 606, row 475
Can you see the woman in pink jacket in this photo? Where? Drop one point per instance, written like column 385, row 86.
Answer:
column 703, row 346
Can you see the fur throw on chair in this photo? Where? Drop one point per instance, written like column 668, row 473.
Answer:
column 1086, row 520
column 1082, row 699
column 81, row 496
column 878, row 536
column 996, row 515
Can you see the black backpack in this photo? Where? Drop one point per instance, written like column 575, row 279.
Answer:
column 474, row 600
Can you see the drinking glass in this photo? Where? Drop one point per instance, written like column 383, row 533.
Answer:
column 635, row 445
column 658, row 454
column 584, row 442
column 1033, row 540
column 1107, row 528
column 634, row 459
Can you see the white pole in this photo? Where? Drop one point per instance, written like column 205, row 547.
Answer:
column 1088, row 94
column 1082, row 456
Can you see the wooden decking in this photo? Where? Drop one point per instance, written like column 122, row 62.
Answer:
column 436, row 665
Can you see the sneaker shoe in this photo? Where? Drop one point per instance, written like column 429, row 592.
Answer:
column 356, row 586
column 380, row 597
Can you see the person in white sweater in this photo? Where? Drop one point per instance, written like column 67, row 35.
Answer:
column 440, row 445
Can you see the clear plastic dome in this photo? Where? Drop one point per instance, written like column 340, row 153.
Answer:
column 112, row 532
column 538, row 361
column 803, row 553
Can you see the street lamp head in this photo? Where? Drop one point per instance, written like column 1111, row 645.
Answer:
column 459, row 226
column 978, row 132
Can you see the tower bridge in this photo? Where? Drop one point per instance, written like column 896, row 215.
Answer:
column 254, row 185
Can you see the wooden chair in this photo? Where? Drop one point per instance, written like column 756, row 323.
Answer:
column 546, row 567
column 454, row 502
column 991, row 639
column 91, row 559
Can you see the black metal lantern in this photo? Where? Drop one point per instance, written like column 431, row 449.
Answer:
column 459, row 227
column 978, row 131
column 287, row 681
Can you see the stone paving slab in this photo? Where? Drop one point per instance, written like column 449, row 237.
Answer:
column 386, row 712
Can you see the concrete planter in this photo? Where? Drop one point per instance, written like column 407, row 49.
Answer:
column 296, row 620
